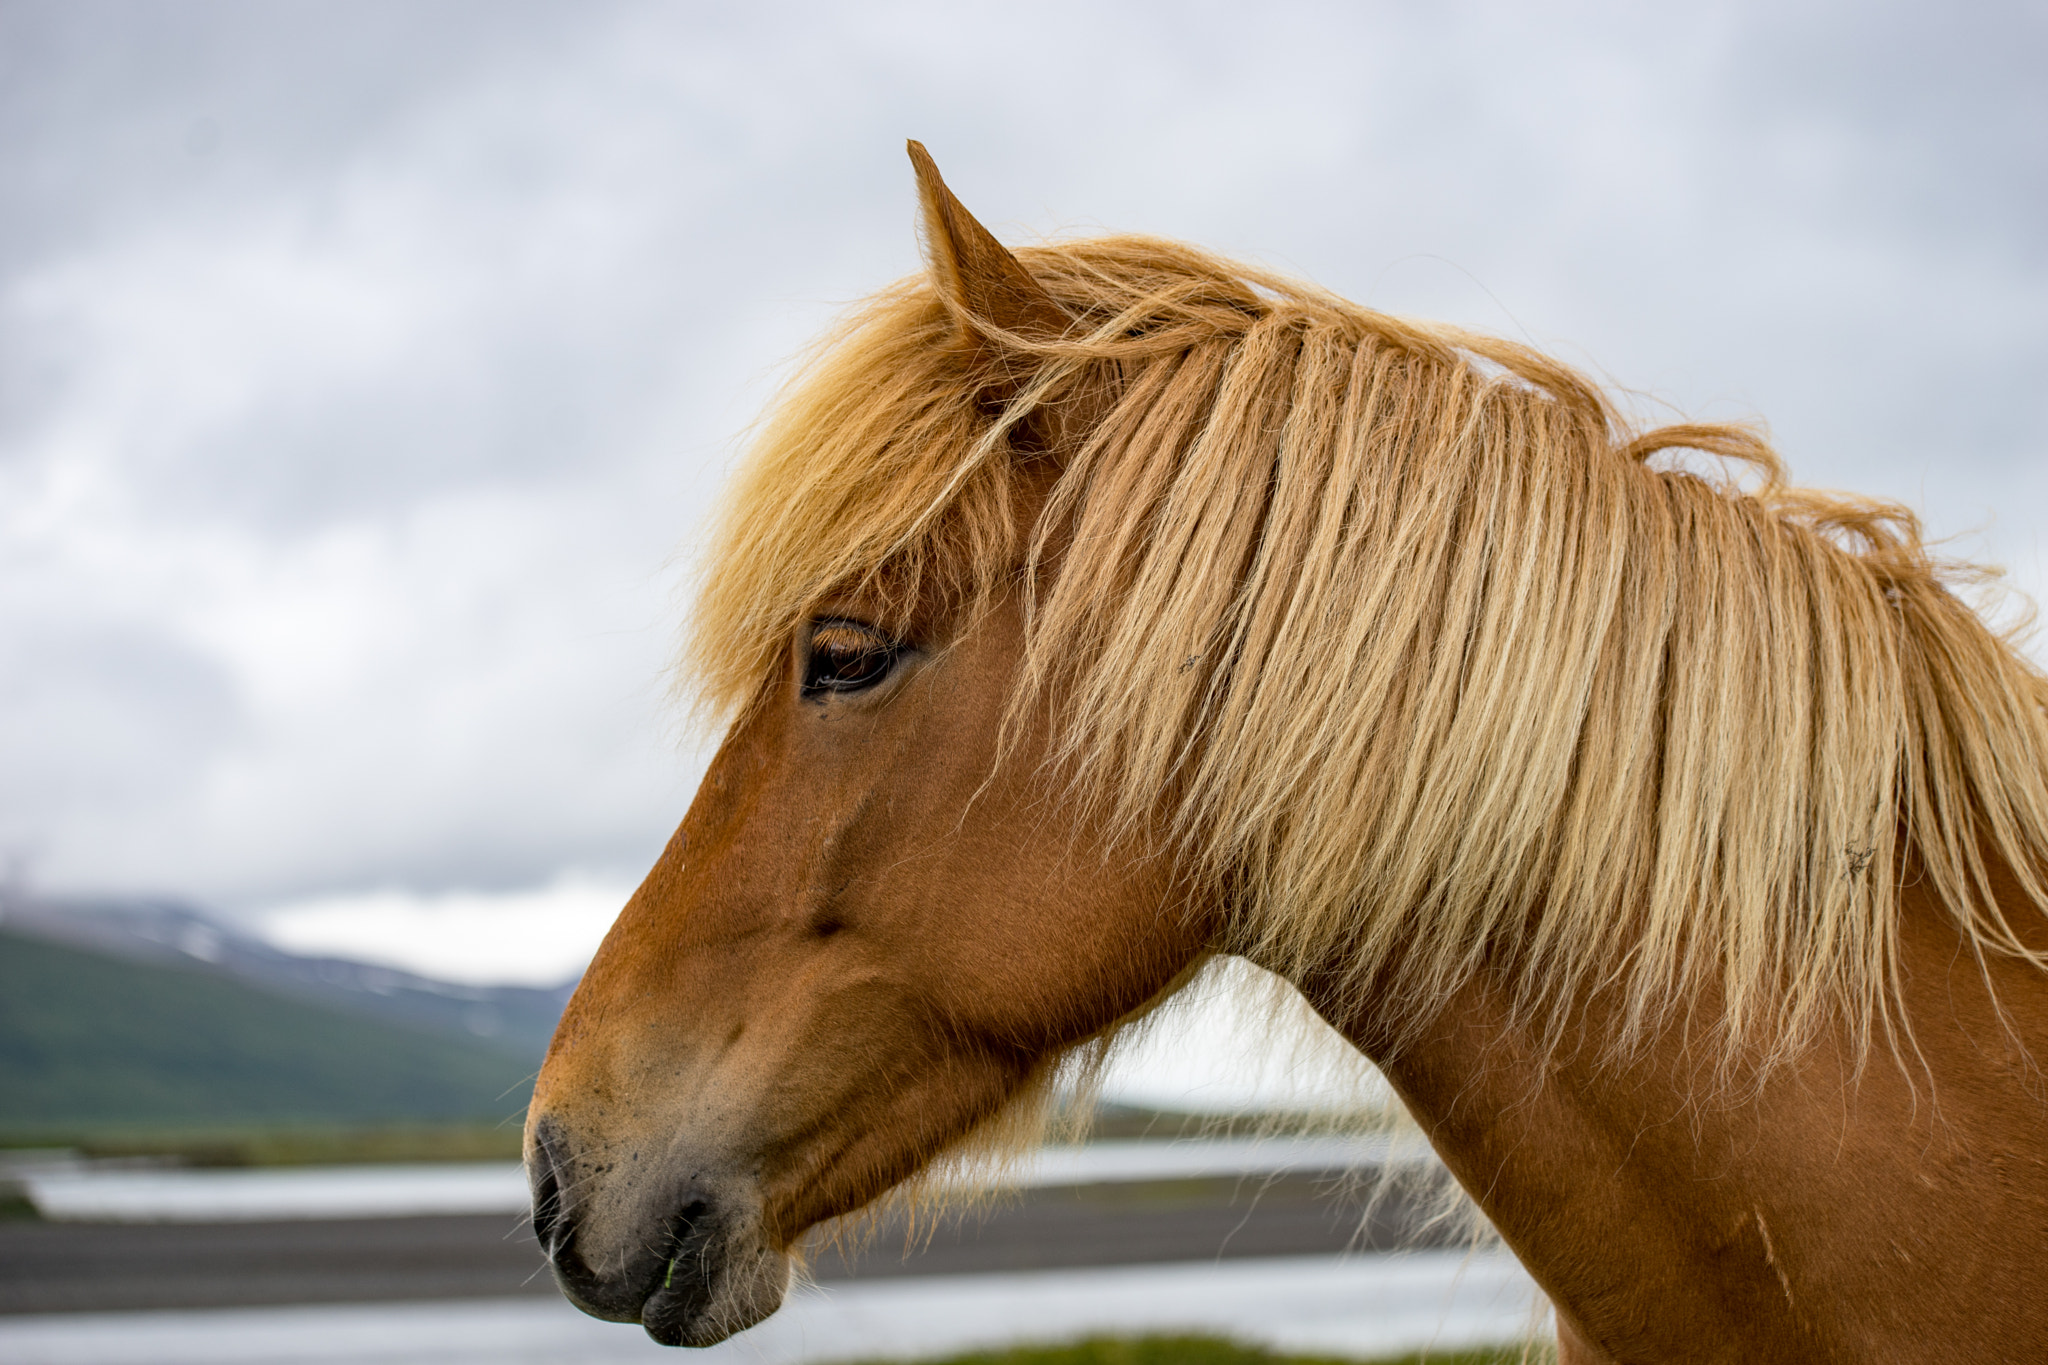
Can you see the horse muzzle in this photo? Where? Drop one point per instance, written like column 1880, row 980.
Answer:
column 675, row 1248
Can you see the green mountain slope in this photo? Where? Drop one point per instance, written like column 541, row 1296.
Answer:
column 93, row 1040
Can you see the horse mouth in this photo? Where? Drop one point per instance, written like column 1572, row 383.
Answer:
column 691, row 1280
column 709, row 1280
column 712, row 1289
column 690, row 1302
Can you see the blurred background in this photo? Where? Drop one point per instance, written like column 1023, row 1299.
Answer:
column 366, row 371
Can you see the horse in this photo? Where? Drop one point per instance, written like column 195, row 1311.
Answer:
column 1673, row 839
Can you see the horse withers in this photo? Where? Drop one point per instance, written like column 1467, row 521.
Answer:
column 1674, row 847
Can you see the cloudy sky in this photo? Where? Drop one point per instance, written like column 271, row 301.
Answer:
column 365, row 368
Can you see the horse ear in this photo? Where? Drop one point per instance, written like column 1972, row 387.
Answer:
column 977, row 271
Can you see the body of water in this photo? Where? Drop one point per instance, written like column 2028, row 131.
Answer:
column 72, row 1191
column 1363, row 1305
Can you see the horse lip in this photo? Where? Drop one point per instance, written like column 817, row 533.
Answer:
column 667, row 1294
column 607, row 1299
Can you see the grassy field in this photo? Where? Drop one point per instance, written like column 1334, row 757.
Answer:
column 280, row 1145
column 1168, row 1350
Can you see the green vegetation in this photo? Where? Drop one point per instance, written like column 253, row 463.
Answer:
column 91, row 1045
column 282, row 1145
column 1179, row 1350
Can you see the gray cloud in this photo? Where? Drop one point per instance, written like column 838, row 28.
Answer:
column 363, row 367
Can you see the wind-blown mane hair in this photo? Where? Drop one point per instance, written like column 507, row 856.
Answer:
column 1437, row 665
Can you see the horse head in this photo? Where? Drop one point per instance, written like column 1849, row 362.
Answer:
column 876, row 926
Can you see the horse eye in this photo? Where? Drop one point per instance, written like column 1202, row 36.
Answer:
column 846, row 656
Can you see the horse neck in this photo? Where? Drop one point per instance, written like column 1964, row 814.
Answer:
column 1794, row 1218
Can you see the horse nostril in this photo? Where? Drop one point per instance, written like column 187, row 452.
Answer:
column 549, row 1215
column 547, row 1208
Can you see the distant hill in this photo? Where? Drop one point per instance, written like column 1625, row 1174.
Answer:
column 91, row 1039
column 166, row 932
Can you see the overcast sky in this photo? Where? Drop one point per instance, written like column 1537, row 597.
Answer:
column 364, row 368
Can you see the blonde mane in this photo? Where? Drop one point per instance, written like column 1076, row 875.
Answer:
column 1437, row 666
